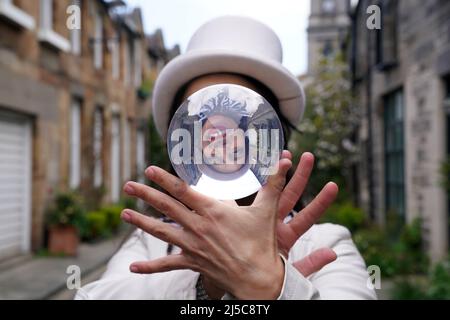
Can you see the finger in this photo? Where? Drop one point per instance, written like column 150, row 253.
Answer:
column 168, row 263
column 295, row 187
column 315, row 261
column 313, row 211
column 163, row 231
column 286, row 154
column 161, row 202
column 179, row 189
column 270, row 192
column 231, row 203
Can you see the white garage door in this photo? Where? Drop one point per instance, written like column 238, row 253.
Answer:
column 15, row 185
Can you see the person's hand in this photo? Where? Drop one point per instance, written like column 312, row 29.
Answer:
column 289, row 233
column 234, row 247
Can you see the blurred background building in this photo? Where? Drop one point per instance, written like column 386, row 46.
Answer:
column 401, row 82
column 328, row 30
column 74, row 108
column 400, row 79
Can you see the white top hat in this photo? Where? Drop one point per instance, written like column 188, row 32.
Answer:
column 229, row 44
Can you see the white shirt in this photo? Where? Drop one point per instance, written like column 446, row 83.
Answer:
column 345, row 278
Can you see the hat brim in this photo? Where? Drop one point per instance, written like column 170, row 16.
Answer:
column 178, row 72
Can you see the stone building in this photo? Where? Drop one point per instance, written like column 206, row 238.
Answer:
column 328, row 29
column 401, row 76
column 72, row 110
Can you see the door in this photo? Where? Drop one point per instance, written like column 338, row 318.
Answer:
column 15, row 185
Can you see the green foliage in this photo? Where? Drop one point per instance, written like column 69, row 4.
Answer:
column 330, row 119
column 67, row 210
column 129, row 203
column 372, row 244
column 406, row 289
column 112, row 214
column 146, row 88
column 103, row 223
column 97, row 225
column 347, row 215
column 436, row 286
column 158, row 150
column 394, row 255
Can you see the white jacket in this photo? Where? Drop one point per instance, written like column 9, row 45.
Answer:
column 345, row 278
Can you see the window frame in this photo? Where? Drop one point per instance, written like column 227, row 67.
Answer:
column 98, row 60
column 387, row 30
column 98, row 145
column 75, row 34
column 46, row 33
column 16, row 15
column 394, row 154
column 75, row 140
column 126, row 170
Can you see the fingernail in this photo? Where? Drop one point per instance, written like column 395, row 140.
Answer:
column 129, row 189
column 126, row 216
column 134, row 269
column 149, row 172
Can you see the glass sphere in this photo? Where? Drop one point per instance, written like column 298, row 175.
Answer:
column 225, row 141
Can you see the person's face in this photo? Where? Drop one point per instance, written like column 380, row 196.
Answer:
column 223, row 142
column 230, row 159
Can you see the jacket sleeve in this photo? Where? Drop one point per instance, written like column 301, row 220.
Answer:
column 344, row 279
column 118, row 283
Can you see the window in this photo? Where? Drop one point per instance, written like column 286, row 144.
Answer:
column 127, row 63
column 137, row 62
column 15, row 15
column 75, row 144
column 140, row 155
column 127, row 151
column 386, row 37
column 46, row 33
column 328, row 50
column 114, row 46
column 75, row 34
column 98, row 147
column 394, row 154
column 98, row 40
column 115, row 158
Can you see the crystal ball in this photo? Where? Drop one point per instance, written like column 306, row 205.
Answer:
column 225, row 141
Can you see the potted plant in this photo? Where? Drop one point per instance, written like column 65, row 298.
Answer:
column 66, row 218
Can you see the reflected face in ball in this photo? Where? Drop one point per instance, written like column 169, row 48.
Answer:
column 225, row 140
column 223, row 144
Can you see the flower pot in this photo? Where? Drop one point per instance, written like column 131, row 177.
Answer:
column 63, row 240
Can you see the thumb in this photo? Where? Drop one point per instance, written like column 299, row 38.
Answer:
column 315, row 261
column 270, row 193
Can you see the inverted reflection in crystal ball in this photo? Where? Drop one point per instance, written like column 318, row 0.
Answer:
column 225, row 141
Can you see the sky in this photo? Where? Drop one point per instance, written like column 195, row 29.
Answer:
column 179, row 19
